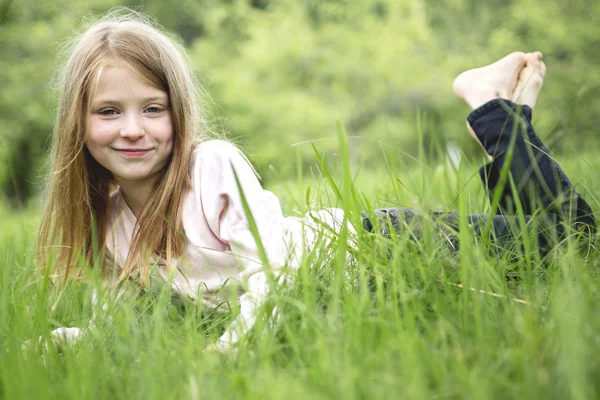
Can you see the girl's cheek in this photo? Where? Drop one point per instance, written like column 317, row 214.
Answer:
column 166, row 131
column 170, row 146
column 166, row 126
column 100, row 133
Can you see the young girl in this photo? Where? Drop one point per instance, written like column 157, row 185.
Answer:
column 136, row 182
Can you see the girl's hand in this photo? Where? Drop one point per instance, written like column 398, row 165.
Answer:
column 60, row 337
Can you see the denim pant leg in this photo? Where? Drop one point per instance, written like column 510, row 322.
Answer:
column 503, row 231
column 506, row 133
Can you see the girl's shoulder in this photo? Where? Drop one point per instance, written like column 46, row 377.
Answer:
column 215, row 148
column 219, row 157
column 211, row 154
column 219, row 152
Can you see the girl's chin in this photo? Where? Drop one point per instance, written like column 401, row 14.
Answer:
column 141, row 178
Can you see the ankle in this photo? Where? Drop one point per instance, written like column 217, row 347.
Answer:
column 478, row 98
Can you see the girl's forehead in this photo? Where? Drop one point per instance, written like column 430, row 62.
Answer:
column 119, row 81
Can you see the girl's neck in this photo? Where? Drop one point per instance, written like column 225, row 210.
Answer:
column 136, row 193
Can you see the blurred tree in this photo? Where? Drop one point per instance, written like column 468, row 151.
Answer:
column 29, row 38
column 4, row 8
column 279, row 73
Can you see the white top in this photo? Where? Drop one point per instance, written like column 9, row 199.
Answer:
column 220, row 254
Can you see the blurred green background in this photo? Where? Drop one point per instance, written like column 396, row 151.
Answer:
column 279, row 73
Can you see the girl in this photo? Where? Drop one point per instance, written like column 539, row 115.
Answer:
column 135, row 180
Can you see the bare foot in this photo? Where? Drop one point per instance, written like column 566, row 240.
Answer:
column 498, row 80
column 530, row 81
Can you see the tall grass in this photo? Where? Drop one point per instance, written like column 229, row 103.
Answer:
column 399, row 319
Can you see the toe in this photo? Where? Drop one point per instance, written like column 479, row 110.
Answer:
column 533, row 59
column 538, row 55
column 542, row 69
column 519, row 59
column 519, row 56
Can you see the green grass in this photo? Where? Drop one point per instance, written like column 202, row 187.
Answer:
column 392, row 324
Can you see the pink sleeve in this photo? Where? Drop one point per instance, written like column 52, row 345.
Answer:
column 222, row 206
column 215, row 184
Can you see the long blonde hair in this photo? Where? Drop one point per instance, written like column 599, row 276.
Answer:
column 74, row 221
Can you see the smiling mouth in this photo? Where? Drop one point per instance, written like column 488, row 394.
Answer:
column 133, row 152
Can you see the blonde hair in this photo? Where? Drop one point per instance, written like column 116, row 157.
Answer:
column 74, row 220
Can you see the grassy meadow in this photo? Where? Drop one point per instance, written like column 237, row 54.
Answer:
column 397, row 319
column 400, row 320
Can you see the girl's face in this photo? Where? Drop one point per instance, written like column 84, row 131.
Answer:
column 129, row 126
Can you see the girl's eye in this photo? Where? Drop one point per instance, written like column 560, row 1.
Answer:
column 108, row 112
column 153, row 110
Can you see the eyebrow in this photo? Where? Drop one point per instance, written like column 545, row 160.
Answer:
column 151, row 99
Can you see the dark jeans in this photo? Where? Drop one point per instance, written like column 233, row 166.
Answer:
column 538, row 182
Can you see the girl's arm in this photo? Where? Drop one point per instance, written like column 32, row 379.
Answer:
column 216, row 183
column 102, row 296
column 69, row 336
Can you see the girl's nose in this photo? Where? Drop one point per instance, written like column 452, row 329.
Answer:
column 133, row 128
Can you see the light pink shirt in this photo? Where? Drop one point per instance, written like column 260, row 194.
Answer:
column 221, row 258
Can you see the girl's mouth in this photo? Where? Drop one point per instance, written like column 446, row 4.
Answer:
column 133, row 153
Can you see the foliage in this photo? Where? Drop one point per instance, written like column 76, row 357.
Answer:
column 278, row 73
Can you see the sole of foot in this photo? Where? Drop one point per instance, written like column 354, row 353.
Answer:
column 530, row 80
column 498, row 80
